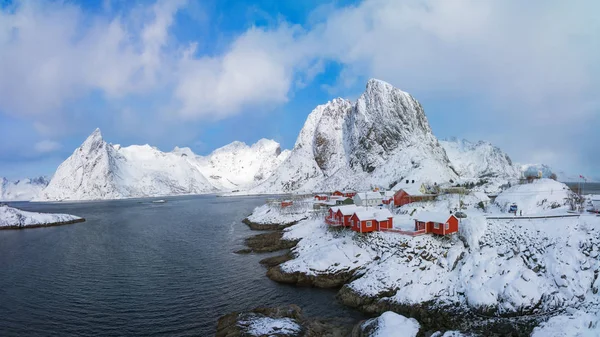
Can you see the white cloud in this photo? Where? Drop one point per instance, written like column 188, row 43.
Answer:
column 52, row 53
column 258, row 69
column 46, row 146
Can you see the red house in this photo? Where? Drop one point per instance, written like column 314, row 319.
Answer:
column 349, row 194
column 436, row 223
column 286, row 203
column 371, row 220
column 410, row 193
column 388, row 201
column 321, row 197
column 337, row 194
column 341, row 215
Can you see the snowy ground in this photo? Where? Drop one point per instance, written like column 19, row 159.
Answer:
column 14, row 217
column 273, row 213
column 494, row 267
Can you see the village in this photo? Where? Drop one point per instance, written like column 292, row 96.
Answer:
column 415, row 208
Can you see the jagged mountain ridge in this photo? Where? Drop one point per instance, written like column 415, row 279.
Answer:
column 99, row 170
column 378, row 140
column 22, row 189
column 479, row 160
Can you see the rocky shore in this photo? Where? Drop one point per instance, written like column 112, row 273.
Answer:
column 283, row 321
column 256, row 226
column 15, row 218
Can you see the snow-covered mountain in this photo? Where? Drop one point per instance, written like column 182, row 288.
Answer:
column 378, row 140
column 237, row 165
column 479, row 160
column 21, row 190
column 98, row 170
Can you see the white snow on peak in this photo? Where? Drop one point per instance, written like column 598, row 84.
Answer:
column 22, row 189
column 378, row 140
column 98, row 170
column 479, row 160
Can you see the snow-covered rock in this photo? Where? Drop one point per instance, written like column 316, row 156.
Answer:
column 540, row 196
column 11, row 217
column 99, row 170
column 21, row 190
column 479, row 160
column 391, row 324
column 378, row 140
column 576, row 324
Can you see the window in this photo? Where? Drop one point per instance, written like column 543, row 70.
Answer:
column 369, row 224
column 447, row 226
column 436, row 225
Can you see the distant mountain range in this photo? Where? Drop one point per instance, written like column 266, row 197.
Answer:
column 379, row 140
column 21, row 190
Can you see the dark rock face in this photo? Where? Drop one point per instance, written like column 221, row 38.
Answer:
column 276, row 260
column 268, row 242
column 320, row 281
column 237, row 324
column 267, row 227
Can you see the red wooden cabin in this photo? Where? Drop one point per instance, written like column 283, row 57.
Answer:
column 371, row 220
column 286, row 203
column 436, row 223
column 337, row 194
column 321, row 197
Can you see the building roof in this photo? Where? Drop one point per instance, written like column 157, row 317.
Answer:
column 349, row 209
column 376, row 214
column 389, row 194
column 321, row 195
column 433, row 217
column 369, row 195
column 410, row 189
column 480, row 196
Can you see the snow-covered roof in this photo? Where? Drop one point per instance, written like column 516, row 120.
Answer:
column 433, row 217
column 368, row 195
column 481, row 196
column 389, row 193
column 378, row 214
column 350, row 209
column 321, row 195
column 411, row 189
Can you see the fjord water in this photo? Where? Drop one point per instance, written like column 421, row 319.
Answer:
column 136, row 268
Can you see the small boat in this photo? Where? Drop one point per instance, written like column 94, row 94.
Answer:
column 161, row 201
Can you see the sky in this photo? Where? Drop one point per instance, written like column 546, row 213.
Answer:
column 523, row 75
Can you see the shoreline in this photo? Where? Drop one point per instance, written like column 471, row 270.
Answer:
column 53, row 224
column 431, row 316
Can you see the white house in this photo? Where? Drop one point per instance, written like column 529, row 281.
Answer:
column 368, row 199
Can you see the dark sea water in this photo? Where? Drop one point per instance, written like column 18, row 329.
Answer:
column 588, row 188
column 140, row 269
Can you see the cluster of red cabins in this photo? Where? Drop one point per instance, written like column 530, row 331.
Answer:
column 366, row 220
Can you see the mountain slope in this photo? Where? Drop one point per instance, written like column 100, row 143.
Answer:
column 97, row 170
column 380, row 139
column 21, row 190
column 237, row 165
column 479, row 160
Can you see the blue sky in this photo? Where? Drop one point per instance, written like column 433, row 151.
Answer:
column 202, row 74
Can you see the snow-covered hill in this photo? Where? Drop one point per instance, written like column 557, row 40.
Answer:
column 21, row 190
column 378, row 140
column 98, row 170
column 14, row 218
column 479, row 160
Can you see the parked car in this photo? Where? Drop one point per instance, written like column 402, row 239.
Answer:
column 460, row 215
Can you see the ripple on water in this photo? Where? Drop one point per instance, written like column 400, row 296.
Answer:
column 139, row 270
